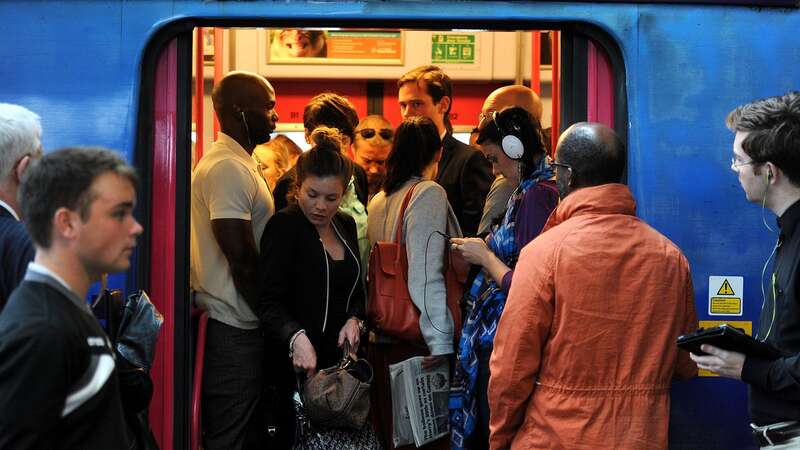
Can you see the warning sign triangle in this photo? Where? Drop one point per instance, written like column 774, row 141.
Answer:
column 725, row 289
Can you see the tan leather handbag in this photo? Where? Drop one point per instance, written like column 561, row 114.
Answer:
column 338, row 397
column 390, row 309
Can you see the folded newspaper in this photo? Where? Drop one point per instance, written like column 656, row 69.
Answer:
column 419, row 401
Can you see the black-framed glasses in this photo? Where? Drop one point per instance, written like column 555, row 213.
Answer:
column 735, row 164
column 369, row 133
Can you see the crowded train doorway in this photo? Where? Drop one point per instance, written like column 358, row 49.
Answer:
column 576, row 69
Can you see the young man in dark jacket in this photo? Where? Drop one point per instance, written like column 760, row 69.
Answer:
column 58, row 382
column 766, row 158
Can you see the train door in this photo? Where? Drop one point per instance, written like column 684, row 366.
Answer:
column 578, row 73
column 162, row 157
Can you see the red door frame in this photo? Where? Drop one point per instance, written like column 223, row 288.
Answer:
column 162, row 244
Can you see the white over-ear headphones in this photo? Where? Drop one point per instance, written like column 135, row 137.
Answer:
column 509, row 141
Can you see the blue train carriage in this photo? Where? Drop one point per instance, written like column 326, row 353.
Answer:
column 117, row 74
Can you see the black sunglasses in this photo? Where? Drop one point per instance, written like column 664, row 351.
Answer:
column 369, row 133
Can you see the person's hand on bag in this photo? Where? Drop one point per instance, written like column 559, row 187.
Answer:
column 474, row 250
column 352, row 332
column 304, row 357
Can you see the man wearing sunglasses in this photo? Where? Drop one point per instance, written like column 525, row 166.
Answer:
column 766, row 159
column 372, row 146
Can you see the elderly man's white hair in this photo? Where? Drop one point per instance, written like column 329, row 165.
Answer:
column 20, row 135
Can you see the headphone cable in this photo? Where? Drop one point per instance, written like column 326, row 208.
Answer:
column 763, row 292
column 425, row 286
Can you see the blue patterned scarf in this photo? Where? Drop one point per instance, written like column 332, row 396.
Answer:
column 485, row 302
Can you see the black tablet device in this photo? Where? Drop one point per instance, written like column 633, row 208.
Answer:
column 728, row 338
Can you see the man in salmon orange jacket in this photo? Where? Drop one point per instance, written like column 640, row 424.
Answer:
column 585, row 350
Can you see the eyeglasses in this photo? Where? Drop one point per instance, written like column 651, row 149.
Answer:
column 565, row 166
column 735, row 164
column 369, row 133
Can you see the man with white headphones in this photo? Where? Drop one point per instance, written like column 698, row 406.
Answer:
column 766, row 157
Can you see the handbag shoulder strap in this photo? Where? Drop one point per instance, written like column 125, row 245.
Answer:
column 398, row 228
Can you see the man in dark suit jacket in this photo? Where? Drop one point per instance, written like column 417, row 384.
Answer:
column 20, row 143
column 464, row 173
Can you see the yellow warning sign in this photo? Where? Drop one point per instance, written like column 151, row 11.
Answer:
column 725, row 289
column 726, row 305
column 745, row 325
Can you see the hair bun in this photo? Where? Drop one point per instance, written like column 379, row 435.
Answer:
column 325, row 138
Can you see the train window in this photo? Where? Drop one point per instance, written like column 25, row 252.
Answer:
column 363, row 65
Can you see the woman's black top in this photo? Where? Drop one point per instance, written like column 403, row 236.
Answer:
column 341, row 276
column 302, row 288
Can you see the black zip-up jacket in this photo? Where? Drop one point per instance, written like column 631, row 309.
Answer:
column 58, row 379
column 775, row 385
column 293, row 266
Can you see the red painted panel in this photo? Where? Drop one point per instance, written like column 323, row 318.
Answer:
column 600, row 107
column 536, row 62
column 162, row 256
column 197, row 110
column 467, row 102
column 294, row 95
column 555, row 51
column 218, row 72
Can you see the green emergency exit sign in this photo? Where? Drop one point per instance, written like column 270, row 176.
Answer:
column 453, row 49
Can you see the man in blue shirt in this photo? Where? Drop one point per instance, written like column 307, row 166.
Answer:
column 20, row 132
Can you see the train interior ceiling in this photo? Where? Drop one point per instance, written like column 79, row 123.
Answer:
column 364, row 65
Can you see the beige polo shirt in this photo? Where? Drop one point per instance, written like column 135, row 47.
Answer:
column 225, row 185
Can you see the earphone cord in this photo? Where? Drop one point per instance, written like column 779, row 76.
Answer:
column 425, row 286
column 763, row 207
column 246, row 129
column 763, row 293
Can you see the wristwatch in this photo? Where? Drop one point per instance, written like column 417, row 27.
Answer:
column 362, row 327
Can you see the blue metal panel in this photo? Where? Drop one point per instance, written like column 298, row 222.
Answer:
column 77, row 65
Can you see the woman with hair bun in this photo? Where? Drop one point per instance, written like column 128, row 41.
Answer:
column 312, row 296
column 333, row 111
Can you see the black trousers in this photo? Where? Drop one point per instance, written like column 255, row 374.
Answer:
column 233, row 379
column 480, row 437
